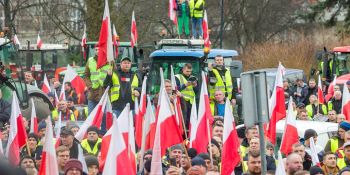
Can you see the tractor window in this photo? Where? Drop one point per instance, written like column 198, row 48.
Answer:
column 166, row 63
column 123, row 51
column 343, row 65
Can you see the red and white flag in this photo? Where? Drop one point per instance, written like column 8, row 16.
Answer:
column 139, row 113
column 205, row 119
column 81, row 158
column 319, row 91
column 131, row 144
column 117, row 154
column 109, row 113
column 313, row 153
column 277, row 105
column 172, row 11
column 280, row 169
column 33, row 120
column 115, row 41
column 105, row 53
column 177, row 103
column 1, row 148
column 83, row 43
column 346, row 102
column 290, row 135
column 77, row 83
column 15, row 40
column 330, row 91
column 58, row 132
column 94, row 118
column 193, row 121
column 17, row 134
column 48, row 157
column 230, row 155
column 46, row 86
column 134, row 34
column 56, row 97
column 39, row 42
column 205, row 27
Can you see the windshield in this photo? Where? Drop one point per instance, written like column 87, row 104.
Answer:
column 123, row 51
column 227, row 60
column 343, row 62
column 51, row 58
column 164, row 62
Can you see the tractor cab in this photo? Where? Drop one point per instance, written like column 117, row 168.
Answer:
column 342, row 59
column 180, row 44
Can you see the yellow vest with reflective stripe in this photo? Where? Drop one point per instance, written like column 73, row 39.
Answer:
column 310, row 111
column 115, row 90
column 243, row 150
column 341, row 163
column 187, row 93
column 97, row 76
column 213, row 109
column 334, row 145
column 55, row 114
column 221, row 85
column 87, row 147
column 196, row 13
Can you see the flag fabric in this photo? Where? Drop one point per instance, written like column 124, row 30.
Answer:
column 81, row 158
column 313, row 152
column 117, row 154
column 16, row 41
column 172, row 11
column 131, row 144
column 83, row 43
column 290, row 134
column 330, row 91
column 39, row 42
column 134, row 34
column 346, row 102
column 58, row 132
column 115, row 42
column 17, row 134
column 48, row 157
column 33, row 120
column 277, row 105
column 109, row 113
column 205, row 119
column 56, row 98
column 319, row 91
column 177, row 103
column 205, row 27
column 280, row 169
column 193, row 121
column 36, row 84
column 94, row 118
column 1, row 148
column 105, row 53
column 77, row 83
column 230, row 155
column 46, row 86
column 156, row 164
column 140, row 112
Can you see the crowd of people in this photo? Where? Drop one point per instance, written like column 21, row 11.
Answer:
column 124, row 88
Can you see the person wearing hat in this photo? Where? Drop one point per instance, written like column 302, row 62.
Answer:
column 70, row 92
column 67, row 139
column 92, row 165
column 199, row 166
column 32, row 148
column 338, row 140
column 300, row 91
column 94, row 78
column 124, row 85
column 315, row 170
column 70, row 105
column 345, row 161
column 73, row 167
column 175, row 154
column 66, row 113
column 307, row 137
column 92, row 144
column 41, row 129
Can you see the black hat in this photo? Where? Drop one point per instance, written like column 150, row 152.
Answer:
column 92, row 128
column 192, row 152
column 198, row 161
column 316, row 170
column 33, row 135
column 300, row 105
column 91, row 160
column 66, row 132
column 125, row 58
column 204, row 156
column 174, row 147
column 41, row 125
column 309, row 133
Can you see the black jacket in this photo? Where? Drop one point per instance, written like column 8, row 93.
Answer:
column 5, row 111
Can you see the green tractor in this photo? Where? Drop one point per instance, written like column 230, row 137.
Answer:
column 12, row 79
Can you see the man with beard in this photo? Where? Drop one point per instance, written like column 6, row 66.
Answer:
column 299, row 148
column 294, row 163
column 254, row 163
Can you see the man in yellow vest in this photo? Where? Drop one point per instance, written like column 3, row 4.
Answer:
column 337, row 141
column 345, row 161
column 125, row 86
column 220, row 78
column 196, row 13
column 187, row 85
column 66, row 113
column 217, row 106
column 92, row 144
column 94, row 79
column 314, row 108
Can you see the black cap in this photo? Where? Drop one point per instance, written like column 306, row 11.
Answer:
column 66, row 132
column 33, row 135
column 125, row 58
column 204, row 156
column 92, row 128
column 316, row 170
column 198, row 161
column 309, row 133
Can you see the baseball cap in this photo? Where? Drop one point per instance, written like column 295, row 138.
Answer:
column 125, row 58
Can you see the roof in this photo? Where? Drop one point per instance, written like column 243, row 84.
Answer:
column 192, row 53
column 122, row 44
column 273, row 71
column 302, row 126
column 342, row 49
column 181, row 42
column 33, row 47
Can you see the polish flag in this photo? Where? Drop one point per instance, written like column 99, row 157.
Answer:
column 177, row 104
column 277, row 105
column 280, row 169
column 330, row 91
column 193, row 122
column 131, row 144
column 290, row 135
column 140, row 112
column 58, row 132
column 81, row 158
column 39, row 42
column 134, row 34
column 205, row 27
column 346, row 102
column 83, row 42
column 17, row 134
column 48, row 157
column 56, row 98
column 15, row 40
column 105, row 53
column 117, row 154
column 313, row 153
column 109, row 113
column 46, row 86
column 77, row 83
column 94, row 118
column 319, row 91
column 33, row 120
column 205, row 119
column 115, row 41
column 172, row 11
column 230, row 155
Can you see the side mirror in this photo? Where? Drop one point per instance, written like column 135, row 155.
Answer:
column 236, row 68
